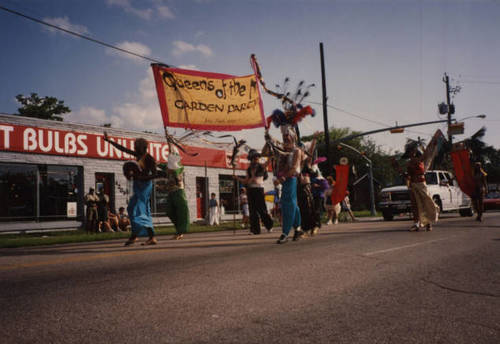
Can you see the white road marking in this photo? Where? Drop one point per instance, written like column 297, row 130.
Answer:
column 403, row 247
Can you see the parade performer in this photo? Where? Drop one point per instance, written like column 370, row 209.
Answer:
column 254, row 181
column 177, row 207
column 319, row 186
column 142, row 172
column 288, row 168
column 480, row 189
column 304, row 193
column 427, row 210
column 286, row 160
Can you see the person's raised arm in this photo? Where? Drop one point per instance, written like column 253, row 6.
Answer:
column 119, row 146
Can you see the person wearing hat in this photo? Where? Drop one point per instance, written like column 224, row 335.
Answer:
column 254, row 181
column 142, row 172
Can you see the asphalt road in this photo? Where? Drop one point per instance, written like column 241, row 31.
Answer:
column 364, row 282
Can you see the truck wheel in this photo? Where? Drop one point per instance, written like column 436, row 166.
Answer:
column 438, row 203
column 466, row 212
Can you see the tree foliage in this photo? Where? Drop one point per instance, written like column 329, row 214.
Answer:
column 383, row 171
column 42, row 107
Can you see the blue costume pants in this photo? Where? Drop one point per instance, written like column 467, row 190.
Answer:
column 289, row 208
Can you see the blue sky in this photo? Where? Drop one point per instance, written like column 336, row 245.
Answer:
column 385, row 60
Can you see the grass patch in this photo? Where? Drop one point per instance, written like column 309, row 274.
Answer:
column 68, row 237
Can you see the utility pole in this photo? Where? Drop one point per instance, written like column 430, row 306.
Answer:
column 325, row 115
column 446, row 80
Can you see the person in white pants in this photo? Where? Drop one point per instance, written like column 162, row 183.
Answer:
column 213, row 205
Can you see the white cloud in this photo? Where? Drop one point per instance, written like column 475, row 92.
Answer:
column 181, row 47
column 146, row 13
column 190, row 67
column 164, row 12
column 142, row 113
column 88, row 115
column 135, row 47
column 64, row 23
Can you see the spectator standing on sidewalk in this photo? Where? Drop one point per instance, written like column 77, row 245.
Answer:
column 244, row 207
column 91, row 215
column 213, row 205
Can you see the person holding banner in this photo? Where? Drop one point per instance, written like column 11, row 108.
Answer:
column 289, row 168
column 142, row 172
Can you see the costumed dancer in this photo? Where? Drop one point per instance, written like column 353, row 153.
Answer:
column 254, row 181
column 480, row 189
column 288, row 170
column 290, row 158
column 319, row 187
column 142, row 172
column 177, row 207
column 427, row 210
column 304, row 193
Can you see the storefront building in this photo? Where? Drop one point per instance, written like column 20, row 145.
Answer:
column 46, row 168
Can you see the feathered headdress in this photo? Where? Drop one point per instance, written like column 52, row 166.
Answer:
column 293, row 112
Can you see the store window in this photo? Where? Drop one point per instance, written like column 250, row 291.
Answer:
column 60, row 186
column 18, row 192
column 229, row 193
column 40, row 192
column 159, row 199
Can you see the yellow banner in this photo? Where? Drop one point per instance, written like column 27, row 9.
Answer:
column 208, row 101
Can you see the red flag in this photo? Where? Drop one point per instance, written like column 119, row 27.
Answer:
column 463, row 171
column 341, row 180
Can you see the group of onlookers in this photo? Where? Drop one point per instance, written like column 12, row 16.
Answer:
column 100, row 218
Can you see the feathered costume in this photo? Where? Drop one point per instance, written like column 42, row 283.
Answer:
column 286, row 157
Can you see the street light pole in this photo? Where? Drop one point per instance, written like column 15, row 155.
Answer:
column 373, row 212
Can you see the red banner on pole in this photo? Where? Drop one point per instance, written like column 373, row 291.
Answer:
column 463, row 171
column 341, row 181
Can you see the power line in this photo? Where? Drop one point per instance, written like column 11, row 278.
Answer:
column 480, row 82
column 363, row 118
column 79, row 35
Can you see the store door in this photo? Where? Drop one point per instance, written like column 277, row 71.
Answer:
column 201, row 197
column 106, row 181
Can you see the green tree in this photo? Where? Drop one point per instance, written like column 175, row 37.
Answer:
column 42, row 107
column 382, row 167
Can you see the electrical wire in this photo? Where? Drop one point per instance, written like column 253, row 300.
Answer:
column 79, row 35
column 363, row 118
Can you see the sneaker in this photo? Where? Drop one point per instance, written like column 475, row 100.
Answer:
column 315, row 231
column 298, row 234
column 283, row 239
column 178, row 236
column 329, row 222
column 336, row 222
column 270, row 230
column 414, row 228
column 151, row 241
column 428, row 228
column 130, row 242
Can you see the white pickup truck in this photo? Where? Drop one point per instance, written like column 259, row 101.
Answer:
column 443, row 188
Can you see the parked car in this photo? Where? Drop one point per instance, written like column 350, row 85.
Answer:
column 492, row 200
column 443, row 188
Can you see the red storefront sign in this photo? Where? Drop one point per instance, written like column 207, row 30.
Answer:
column 37, row 140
